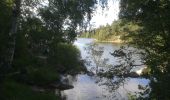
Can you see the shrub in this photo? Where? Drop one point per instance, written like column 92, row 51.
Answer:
column 65, row 57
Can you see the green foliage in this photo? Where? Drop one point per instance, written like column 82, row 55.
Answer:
column 61, row 18
column 153, row 37
column 65, row 57
column 44, row 69
column 5, row 16
column 22, row 56
column 29, row 68
column 42, row 75
column 41, row 43
column 37, row 31
column 12, row 90
column 118, row 30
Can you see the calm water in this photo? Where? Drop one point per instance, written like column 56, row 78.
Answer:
column 92, row 87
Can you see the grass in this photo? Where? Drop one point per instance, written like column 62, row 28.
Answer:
column 12, row 90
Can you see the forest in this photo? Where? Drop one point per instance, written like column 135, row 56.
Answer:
column 37, row 36
column 116, row 32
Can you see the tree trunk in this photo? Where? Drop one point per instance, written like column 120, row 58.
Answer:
column 13, row 31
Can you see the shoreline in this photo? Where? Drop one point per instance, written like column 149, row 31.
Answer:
column 115, row 41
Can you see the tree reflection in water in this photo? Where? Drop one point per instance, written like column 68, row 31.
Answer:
column 107, row 78
column 115, row 76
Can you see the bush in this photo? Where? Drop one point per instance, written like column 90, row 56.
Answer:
column 66, row 58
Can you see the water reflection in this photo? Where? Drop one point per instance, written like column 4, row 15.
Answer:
column 95, row 87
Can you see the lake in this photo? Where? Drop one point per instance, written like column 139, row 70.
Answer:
column 93, row 87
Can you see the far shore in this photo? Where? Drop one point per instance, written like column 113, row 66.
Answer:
column 118, row 41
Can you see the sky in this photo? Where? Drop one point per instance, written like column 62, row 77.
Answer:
column 106, row 16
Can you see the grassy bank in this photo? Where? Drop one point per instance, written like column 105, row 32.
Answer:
column 12, row 90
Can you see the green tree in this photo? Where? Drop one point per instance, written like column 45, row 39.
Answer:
column 30, row 33
column 42, row 25
column 153, row 37
column 116, row 31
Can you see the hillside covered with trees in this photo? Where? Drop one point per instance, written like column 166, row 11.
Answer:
column 116, row 32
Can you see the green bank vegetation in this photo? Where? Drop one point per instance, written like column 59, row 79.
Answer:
column 116, row 32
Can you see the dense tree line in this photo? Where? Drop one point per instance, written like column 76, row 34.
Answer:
column 117, row 30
